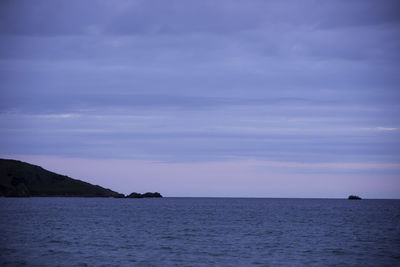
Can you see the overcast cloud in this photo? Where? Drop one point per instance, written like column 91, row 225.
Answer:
column 202, row 81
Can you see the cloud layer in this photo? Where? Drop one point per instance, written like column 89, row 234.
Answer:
column 197, row 81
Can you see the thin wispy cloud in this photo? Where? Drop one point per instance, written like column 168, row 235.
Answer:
column 381, row 129
column 58, row 116
column 385, row 129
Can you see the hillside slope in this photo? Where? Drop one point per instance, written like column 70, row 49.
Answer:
column 22, row 179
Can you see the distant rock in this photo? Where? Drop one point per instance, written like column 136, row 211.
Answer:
column 352, row 197
column 20, row 179
column 145, row 195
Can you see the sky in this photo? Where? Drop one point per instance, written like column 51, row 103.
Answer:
column 206, row 98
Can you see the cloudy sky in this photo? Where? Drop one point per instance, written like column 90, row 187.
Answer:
column 206, row 98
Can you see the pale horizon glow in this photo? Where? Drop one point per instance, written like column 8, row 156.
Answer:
column 225, row 178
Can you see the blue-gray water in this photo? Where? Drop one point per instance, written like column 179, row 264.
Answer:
column 199, row 232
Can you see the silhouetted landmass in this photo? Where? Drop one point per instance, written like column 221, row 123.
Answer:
column 20, row 179
column 145, row 195
column 352, row 197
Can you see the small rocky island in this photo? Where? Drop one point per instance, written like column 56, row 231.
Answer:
column 353, row 197
column 145, row 195
column 21, row 179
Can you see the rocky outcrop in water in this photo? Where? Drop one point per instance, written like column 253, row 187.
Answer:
column 145, row 195
column 352, row 197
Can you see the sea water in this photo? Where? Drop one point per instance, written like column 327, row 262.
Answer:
column 199, row 232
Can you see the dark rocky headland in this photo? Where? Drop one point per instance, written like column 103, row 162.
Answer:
column 21, row 179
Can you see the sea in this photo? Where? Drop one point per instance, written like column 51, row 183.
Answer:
column 42, row 231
